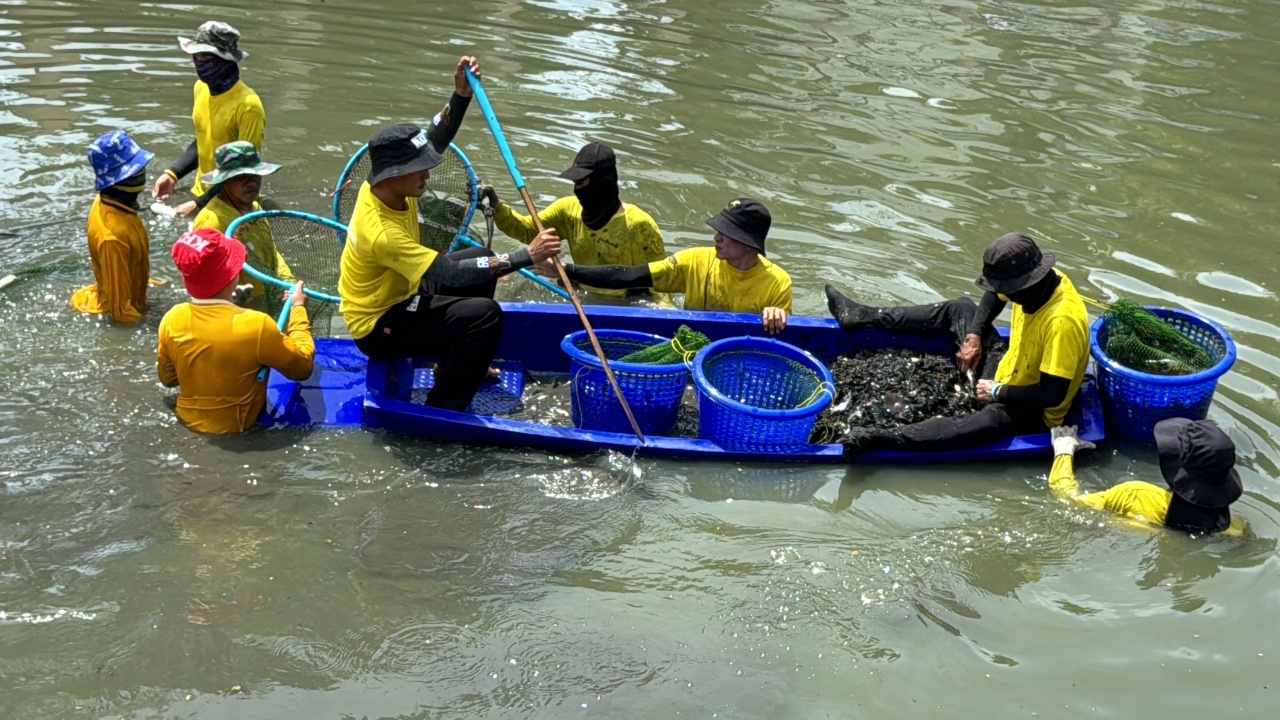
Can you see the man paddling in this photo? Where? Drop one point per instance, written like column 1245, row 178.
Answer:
column 401, row 299
column 1197, row 461
column 1038, row 377
column 224, row 110
column 733, row 276
column 600, row 228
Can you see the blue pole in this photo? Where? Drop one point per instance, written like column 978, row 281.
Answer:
column 280, row 323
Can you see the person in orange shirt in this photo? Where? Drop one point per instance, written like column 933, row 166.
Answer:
column 214, row 349
column 118, row 241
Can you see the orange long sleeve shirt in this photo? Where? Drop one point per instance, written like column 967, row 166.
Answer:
column 118, row 248
column 214, row 350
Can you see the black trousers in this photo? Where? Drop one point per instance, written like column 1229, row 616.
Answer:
column 460, row 327
column 993, row 422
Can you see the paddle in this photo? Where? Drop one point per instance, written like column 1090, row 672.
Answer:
column 503, row 148
column 281, row 323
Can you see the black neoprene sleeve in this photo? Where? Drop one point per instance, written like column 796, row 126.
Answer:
column 444, row 270
column 989, row 308
column 611, row 277
column 1049, row 392
column 442, row 133
column 189, row 161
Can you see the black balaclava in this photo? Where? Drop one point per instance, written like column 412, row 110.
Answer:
column 126, row 191
column 1033, row 298
column 1194, row 519
column 219, row 74
column 599, row 198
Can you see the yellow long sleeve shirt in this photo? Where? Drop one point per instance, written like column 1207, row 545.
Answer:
column 1135, row 500
column 214, row 350
column 118, row 248
column 709, row 283
column 631, row 237
column 236, row 114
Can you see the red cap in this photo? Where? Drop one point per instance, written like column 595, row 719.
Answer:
column 208, row 260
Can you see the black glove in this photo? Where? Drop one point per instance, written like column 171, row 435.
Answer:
column 488, row 193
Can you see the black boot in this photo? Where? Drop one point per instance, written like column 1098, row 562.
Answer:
column 849, row 314
column 859, row 440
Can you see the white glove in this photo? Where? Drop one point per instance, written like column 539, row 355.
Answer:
column 1065, row 441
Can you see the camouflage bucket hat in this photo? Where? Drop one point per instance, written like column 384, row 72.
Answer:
column 217, row 38
column 237, row 158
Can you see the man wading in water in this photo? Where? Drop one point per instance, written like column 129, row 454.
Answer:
column 733, row 276
column 224, row 110
column 1038, row 377
column 401, row 299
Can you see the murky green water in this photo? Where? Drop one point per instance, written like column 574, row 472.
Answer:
column 146, row 572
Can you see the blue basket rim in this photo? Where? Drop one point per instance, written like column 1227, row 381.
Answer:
column 778, row 347
column 588, row 358
column 1218, row 370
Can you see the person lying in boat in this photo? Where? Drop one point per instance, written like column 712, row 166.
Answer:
column 224, row 110
column 119, row 245
column 1036, row 380
column 733, row 276
column 401, row 299
column 1197, row 461
column 238, row 177
column 600, row 228
column 214, row 349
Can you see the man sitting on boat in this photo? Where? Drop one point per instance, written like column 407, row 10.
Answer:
column 214, row 349
column 599, row 227
column 224, row 110
column 401, row 299
column 733, row 276
column 1037, row 379
column 1197, row 461
column 238, row 175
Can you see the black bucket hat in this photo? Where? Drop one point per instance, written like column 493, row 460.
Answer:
column 592, row 157
column 1198, row 461
column 746, row 220
column 1012, row 263
column 399, row 150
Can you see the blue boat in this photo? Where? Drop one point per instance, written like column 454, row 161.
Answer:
column 347, row 390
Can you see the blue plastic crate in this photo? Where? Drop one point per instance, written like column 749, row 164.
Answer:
column 653, row 392
column 1135, row 401
column 759, row 395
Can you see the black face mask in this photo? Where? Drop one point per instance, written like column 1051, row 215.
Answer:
column 127, row 190
column 1033, row 298
column 1194, row 519
column 599, row 198
column 220, row 75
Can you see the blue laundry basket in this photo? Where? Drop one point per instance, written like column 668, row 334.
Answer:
column 653, row 392
column 1135, row 401
column 759, row 395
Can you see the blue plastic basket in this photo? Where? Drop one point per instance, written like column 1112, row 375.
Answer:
column 759, row 395
column 1135, row 401
column 653, row 392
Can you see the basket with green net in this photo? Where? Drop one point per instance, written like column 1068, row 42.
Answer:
column 1157, row 363
column 285, row 246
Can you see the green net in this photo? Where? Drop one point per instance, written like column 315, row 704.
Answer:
column 442, row 209
column 678, row 349
column 1141, row 341
column 290, row 248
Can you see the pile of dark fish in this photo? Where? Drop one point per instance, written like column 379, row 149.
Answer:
column 890, row 388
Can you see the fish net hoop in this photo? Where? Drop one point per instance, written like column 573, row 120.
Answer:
column 444, row 210
column 285, row 246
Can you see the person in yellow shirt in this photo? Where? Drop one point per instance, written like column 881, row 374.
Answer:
column 733, row 276
column 599, row 227
column 119, row 245
column 1036, row 380
column 1197, row 461
column 213, row 349
column 224, row 110
column 238, row 175
column 401, row 299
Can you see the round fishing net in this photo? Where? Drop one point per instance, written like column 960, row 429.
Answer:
column 289, row 247
column 1141, row 341
column 444, row 210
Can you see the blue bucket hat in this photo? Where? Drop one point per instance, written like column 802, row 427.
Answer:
column 114, row 157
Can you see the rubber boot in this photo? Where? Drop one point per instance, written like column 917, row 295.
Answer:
column 859, row 440
column 851, row 315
